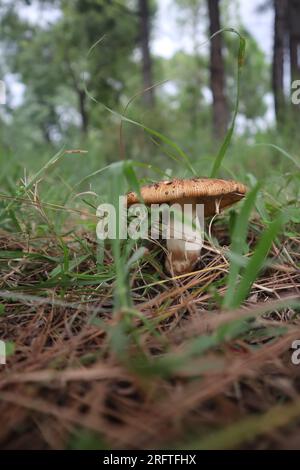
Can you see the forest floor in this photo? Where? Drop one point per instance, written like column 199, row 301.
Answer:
column 173, row 371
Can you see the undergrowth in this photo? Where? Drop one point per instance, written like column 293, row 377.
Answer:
column 106, row 350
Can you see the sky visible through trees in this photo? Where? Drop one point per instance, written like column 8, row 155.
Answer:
column 166, row 38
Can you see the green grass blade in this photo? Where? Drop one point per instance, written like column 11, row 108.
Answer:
column 240, row 61
column 152, row 132
column 256, row 262
column 282, row 151
column 239, row 237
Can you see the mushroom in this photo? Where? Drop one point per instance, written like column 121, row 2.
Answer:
column 213, row 194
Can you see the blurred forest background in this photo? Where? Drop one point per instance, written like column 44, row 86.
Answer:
column 48, row 69
column 105, row 350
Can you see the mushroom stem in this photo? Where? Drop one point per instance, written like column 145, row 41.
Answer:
column 185, row 239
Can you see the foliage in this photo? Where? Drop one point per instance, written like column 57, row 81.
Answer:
column 104, row 347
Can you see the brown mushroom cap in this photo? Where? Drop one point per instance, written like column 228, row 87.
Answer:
column 215, row 194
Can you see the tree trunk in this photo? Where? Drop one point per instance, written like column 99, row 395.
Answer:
column 83, row 113
column 144, row 16
column 217, row 73
column 46, row 133
column 294, row 38
column 280, row 24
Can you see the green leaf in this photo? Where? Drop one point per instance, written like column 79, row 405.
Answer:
column 239, row 236
column 256, row 262
column 132, row 178
column 9, row 348
column 67, row 266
